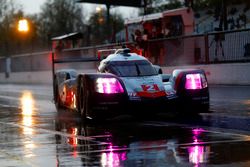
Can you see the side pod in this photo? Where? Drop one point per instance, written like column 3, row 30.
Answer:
column 192, row 89
column 100, row 95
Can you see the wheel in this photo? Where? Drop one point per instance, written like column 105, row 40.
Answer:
column 205, row 108
column 78, row 97
column 82, row 99
column 57, row 98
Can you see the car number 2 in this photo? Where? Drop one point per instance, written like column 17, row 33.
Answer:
column 150, row 88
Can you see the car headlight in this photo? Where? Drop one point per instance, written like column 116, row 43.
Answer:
column 108, row 86
column 195, row 81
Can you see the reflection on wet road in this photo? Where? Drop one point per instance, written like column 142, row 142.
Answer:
column 33, row 133
column 150, row 144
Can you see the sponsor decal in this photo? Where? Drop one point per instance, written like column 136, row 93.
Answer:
column 151, row 91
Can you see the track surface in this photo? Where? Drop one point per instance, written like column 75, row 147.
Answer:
column 33, row 133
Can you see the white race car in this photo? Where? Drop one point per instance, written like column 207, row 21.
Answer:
column 125, row 82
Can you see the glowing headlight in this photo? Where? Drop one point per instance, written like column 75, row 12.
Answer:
column 108, row 86
column 195, row 81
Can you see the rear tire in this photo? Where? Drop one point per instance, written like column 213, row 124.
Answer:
column 205, row 108
column 82, row 102
column 57, row 99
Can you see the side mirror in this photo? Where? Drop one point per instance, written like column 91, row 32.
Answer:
column 158, row 69
column 165, row 77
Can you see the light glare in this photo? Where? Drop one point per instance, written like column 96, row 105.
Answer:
column 23, row 25
column 193, row 81
column 108, row 86
column 98, row 9
column 27, row 103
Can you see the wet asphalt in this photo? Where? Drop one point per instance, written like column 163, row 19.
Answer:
column 34, row 133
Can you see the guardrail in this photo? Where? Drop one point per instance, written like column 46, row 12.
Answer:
column 217, row 47
column 40, row 61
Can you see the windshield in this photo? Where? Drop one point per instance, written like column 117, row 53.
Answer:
column 131, row 68
column 74, row 74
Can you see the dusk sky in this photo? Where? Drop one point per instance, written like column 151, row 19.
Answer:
column 33, row 6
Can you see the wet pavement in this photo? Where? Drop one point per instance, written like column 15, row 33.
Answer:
column 33, row 133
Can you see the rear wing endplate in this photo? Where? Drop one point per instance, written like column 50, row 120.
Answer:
column 61, row 61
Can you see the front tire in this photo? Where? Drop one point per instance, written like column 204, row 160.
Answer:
column 81, row 99
column 57, row 99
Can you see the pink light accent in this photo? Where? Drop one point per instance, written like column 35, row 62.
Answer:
column 108, row 86
column 197, row 154
column 123, row 156
column 197, row 131
column 111, row 158
column 193, row 81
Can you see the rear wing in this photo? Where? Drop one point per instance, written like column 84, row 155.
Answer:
column 101, row 54
column 61, row 61
column 74, row 60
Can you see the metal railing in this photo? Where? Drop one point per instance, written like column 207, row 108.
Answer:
column 230, row 46
column 217, row 47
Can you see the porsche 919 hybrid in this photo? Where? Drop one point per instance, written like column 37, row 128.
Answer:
column 125, row 82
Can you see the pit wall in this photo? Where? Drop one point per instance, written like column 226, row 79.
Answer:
column 226, row 74
column 222, row 74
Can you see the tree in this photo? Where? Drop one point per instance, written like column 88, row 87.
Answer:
column 9, row 14
column 218, row 7
column 59, row 17
column 102, row 30
column 155, row 6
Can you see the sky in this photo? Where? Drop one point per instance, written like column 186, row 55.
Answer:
column 30, row 6
column 33, row 6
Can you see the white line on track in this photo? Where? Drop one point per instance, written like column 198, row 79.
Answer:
column 222, row 131
column 240, row 137
column 93, row 139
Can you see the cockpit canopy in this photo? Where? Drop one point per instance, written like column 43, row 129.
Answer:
column 130, row 68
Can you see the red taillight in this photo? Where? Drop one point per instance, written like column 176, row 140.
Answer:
column 195, row 81
column 108, row 86
column 99, row 55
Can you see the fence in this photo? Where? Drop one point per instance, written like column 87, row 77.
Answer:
column 28, row 62
column 232, row 46
column 218, row 47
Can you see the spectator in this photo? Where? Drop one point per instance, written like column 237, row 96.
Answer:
column 159, row 33
column 218, row 38
column 243, row 18
column 166, row 32
column 138, row 38
column 232, row 23
column 145, row 35
column 145, row 38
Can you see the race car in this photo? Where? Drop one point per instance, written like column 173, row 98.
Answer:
column 125, row 81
